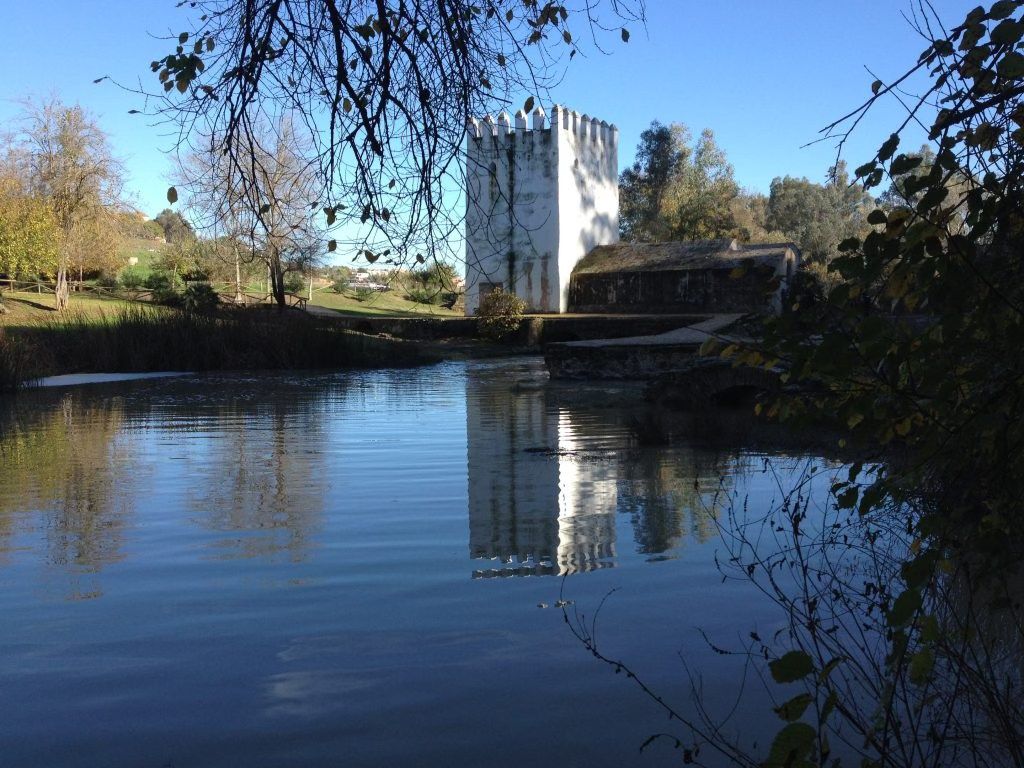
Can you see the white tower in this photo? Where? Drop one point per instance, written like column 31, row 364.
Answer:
column 537, row 201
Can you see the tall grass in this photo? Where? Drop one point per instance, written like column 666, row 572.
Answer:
column 138, row 338
column 19, row 361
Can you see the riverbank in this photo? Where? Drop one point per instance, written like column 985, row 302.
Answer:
column 140, row 339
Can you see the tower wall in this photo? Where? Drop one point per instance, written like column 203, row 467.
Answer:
column 538, row 198
column 588, row 190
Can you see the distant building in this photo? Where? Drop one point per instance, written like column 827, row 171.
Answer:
column 542, row 222
column 701, row 276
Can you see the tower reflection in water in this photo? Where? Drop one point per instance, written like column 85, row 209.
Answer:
column 547, row 476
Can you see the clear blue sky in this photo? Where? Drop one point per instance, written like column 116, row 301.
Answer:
column 765, row 76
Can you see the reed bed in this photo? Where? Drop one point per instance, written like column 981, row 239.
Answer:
column 138, row 338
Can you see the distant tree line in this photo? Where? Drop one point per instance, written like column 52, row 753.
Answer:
column 681, row 189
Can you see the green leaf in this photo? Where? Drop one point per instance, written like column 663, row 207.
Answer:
column 793, row 746
column 921, row 665
column 904, row 164
column 794, row 708
column 793, row 666
column 903, row 608
column 877, row 216
column 1007, row 32
column 1001, row 9
column 1011, row 66
column 888, row 147
column 709, row 347
column 865, row 169
column 847, row 498
column 172, row 195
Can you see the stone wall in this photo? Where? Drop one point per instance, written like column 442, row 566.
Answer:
column 682, row 291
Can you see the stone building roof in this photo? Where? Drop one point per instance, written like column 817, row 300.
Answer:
column 675, row 256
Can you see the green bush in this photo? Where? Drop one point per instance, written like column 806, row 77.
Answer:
column 166, row 288
column 425, row 296
column 199, row 297
column 339, row 286
column 161, row 281
column 131, row 278
column 364, row 294
column 499, row 314
column 293, row 282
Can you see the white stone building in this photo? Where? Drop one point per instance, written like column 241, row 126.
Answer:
column 539, row 198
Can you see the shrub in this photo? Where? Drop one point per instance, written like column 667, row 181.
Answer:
column 159, row 281
column 339, row 286
column 499, row 314
column 199, row 297
column 364, row 294
column 425, row 296
column 131, row 278
column 166, row 288
column 293, row 282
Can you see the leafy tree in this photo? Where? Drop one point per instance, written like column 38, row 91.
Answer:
column 379, row 91
column 28, row 232
column 677, row 192
column 66, row 161
column 175, row 227
column 749, row 212
column 919, row 349
column 818, row 216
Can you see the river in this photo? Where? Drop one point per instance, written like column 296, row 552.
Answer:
column 361, row 569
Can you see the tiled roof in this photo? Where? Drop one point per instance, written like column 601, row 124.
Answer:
column 687, row 255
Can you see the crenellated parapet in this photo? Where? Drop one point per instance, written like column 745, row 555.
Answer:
column 562, row 119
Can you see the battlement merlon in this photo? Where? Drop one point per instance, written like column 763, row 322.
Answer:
column 562, row 119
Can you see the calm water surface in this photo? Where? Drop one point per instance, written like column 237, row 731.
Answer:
column 347, row 570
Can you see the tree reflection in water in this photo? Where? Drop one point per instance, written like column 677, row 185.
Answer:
column 74, row 478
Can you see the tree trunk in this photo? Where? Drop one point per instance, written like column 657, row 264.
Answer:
column 61, row 291
column 277, row 283
column 79, row 278
column 238, row 280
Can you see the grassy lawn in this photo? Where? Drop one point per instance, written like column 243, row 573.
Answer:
column 382, row 303
column 146, row 251
column 26, row 308
column 30, row 308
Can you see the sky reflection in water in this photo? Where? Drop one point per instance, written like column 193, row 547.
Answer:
column 305, row 569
